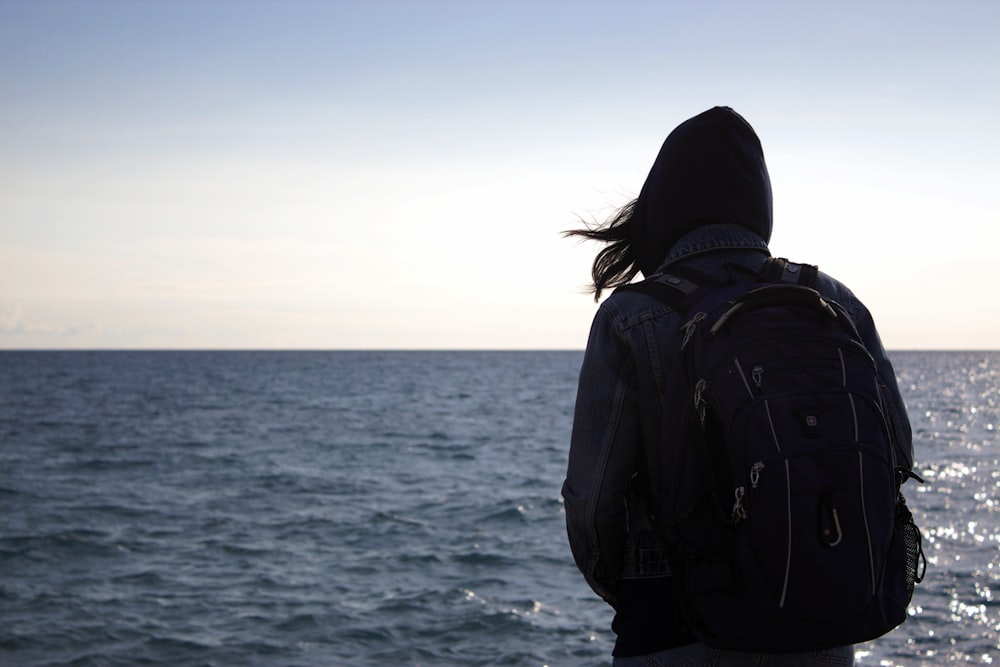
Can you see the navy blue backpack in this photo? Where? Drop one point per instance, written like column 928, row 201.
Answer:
column 780, row 504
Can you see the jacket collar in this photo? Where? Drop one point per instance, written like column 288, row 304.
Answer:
column 711, row 238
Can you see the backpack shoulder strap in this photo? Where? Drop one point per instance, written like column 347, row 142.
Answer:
column 671, row 289
column 780, row 270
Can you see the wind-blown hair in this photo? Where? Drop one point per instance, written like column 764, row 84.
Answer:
column 615, row 264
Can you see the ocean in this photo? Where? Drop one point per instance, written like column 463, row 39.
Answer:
column 380, row 508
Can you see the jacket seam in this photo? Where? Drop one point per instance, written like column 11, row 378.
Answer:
column 599, row 475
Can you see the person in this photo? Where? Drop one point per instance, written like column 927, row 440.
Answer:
column 706, row 207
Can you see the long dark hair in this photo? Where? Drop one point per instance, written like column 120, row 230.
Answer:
column 615, row 264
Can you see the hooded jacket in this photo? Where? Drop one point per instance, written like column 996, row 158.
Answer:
column 706, row 207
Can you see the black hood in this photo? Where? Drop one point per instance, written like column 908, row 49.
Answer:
column 710, row 170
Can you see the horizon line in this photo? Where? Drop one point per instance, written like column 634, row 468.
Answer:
column 385, row 349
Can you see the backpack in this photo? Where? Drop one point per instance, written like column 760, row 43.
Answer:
column 780, row 503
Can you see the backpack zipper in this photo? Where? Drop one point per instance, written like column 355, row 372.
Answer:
column 755, row 474
column 699, row 400
column 739, row 512
column 689, row 327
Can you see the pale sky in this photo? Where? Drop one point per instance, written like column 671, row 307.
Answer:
column 377, row 174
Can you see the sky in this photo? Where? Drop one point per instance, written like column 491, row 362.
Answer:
column 386, row 174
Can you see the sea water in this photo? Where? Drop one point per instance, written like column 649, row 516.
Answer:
column 383, row 508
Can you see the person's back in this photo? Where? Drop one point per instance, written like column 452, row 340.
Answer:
column 704, row 210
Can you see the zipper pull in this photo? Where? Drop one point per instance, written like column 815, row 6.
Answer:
column 739, row 513
column 757, row 374
column 699, row 400
column 755, row 474
column 689, row 328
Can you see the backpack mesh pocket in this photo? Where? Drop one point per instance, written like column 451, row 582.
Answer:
column 913, row 541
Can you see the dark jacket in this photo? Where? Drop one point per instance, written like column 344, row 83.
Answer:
column 633, row 350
